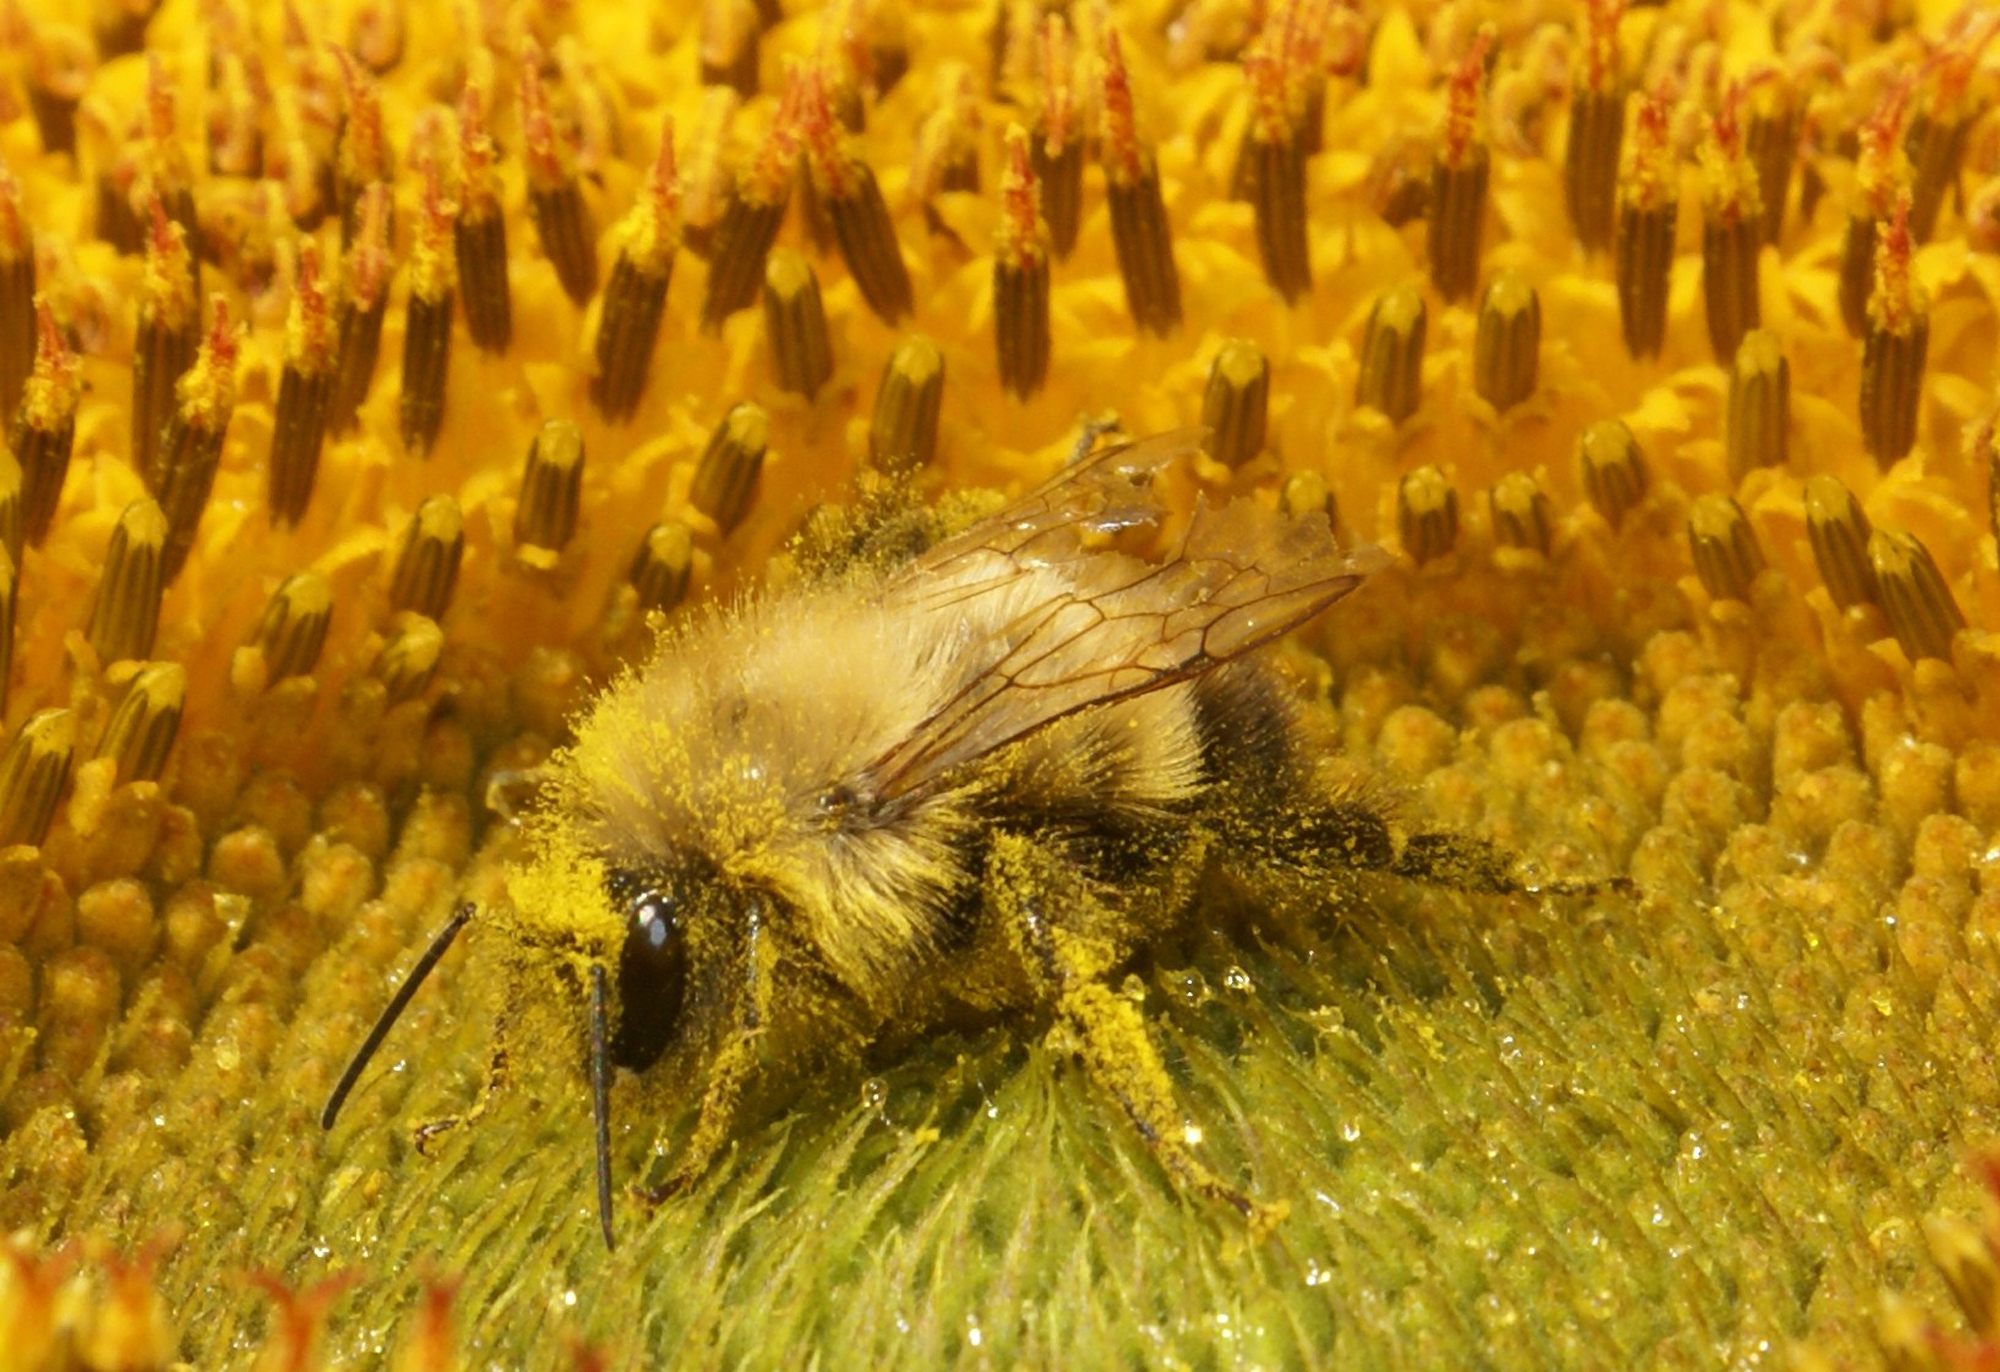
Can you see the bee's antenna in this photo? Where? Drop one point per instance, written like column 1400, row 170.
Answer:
column 600, row 1100
column 386, row 1021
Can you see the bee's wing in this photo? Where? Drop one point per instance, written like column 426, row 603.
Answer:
column 1109, row 626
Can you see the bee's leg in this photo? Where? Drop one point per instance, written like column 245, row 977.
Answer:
column 1350, row 835
column 1047, row 913
column 733, row 1060
column 499, row 1067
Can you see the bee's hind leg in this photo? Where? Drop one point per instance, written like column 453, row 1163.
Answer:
column 731, row 1063
column 1047, row 913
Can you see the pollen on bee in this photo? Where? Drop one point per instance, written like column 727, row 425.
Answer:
column 293, row 628
column 191, row 444
column 1021, row 275
column 1391, row 372
column 427, row 319
column 32, row 773
column 725, row 479
column 1643, row 241
column 902, row 433
column 551, row 488
column 555, row 200
column 628, row 326
column 479, row 233
column 427, row 563
column 363, row 302
column 18, row 337
column 126, row 612
column 1234, row 407
column 1141, row 237
column 1913, row 595
column 409, row 659
column 1459, row 176
column 305, row 389
column 168, row 333
column 662, row 566
column 142, row 727
column 1758, row 420
column 1520, row 511
column 43, row 433
column 1839, row 534
column 795, row 324
column 1614, row 469
column 1723, row 547
column 1596, row 129
column 1507, row 348
column 1894, row 342
column 1732, row 233
column 1427, row 514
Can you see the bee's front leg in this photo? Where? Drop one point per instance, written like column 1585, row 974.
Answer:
column 499, row 1068
column 732, row 1061
column 1049, row 916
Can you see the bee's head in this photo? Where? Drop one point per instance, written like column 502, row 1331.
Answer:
column 652, row 961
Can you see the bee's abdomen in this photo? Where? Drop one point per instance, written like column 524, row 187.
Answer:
column 1247, row 728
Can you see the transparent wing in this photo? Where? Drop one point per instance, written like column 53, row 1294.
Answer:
column 1107, row 626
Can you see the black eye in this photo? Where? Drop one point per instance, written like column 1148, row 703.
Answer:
column 652, row 970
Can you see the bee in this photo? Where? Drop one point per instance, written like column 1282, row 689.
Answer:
column 982, row 780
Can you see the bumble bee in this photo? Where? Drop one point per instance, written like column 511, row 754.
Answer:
column 981, row 780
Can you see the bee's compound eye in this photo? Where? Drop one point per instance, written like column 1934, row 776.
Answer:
column 652, row 971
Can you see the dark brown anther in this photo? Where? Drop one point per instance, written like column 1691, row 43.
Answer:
column 727, row 46
column 1021, row 276
column 1427, row 515
column 751, row 219
column 1936, row 147
column 1614, row 470
column 191, row 443
column 1507, row 348
column 1140, row 233
column 1596, row 130
column 43, row 433
column 1520, row 513
column 427, row 320
column 126, row 611
column 902, row 435
column 33, row 772
column 479, row 235
column 140, row 732
column 1643, row 243
column 1732, row 232
column 1913, row 595
column 1056, row 150
column 1391, row 374
column 60, row 60
column 169, row 332
column 293, row 628
column 9, row 608
column 1894, row 342
column 628, row 325
column 18, row 334
column 1839, row 534
column 409, row 660
column 427, row 565
column 362, row 305
column 725, row 479
column 551, row 488
column 305, row 390
column 555, row 199
column 860, row 217
column 1273, row 161
column 795, row 324
column 1234, row 407
column 1758, row 424
column 363, row 157
column 1458, row 181
column 661, row 568
column 1771, row 140
column 1724, row 547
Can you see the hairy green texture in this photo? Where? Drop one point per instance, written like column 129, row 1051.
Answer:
column 1680, row 1130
